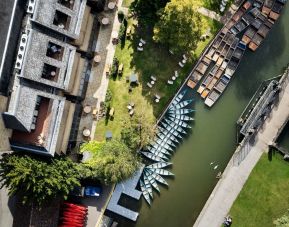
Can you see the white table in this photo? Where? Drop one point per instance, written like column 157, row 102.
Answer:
column 86, row 132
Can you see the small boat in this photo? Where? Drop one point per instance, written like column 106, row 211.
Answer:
column 155, row 150
column 159, row 165
column 181, row 117
column 181, row 104
column 179, row 123
column 159, row 153
column 158, row 177
column 148, row 186
column 152, row 156
column 179, row 97
column 176, row 127
column 163, row 144
column 162, row 172
column 145, row 192
column 216, row 166
column 181, row 111
column 152, row 180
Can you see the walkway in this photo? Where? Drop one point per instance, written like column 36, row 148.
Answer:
column 208, row 13
column 234, row 177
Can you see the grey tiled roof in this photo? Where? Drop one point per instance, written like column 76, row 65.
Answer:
column 35, row 57
column 45, row 11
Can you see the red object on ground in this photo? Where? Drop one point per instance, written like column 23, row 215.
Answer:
column 72, row 215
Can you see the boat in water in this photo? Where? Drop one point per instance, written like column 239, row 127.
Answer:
column 159, row 165
column 145, row 192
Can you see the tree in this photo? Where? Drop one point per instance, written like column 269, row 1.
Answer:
column 139, row 130
column 146, row 11
column 112, row 161
column 180, row 26
column 283, row 221
column 36, row 180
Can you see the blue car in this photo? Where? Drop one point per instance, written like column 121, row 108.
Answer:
column 92, row 191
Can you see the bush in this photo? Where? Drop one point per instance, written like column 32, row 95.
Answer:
column 120, row 15
column 107, row 102
column 114, row 68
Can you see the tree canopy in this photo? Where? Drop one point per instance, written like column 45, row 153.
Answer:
column 146, row 11
column 139, row 130
column 112, row 161
column 36, row 180
column 180, row 26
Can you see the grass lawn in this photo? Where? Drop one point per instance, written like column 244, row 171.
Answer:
column 265, row 196
column 154, row 60
column 126, row 3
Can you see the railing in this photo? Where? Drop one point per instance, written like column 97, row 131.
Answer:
column 246, row 144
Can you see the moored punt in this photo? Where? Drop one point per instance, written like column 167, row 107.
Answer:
column 194, row 79
column 181, row 111
column 179, row 122
column 181, row 104
column 157, row 177
column 162, row 172
column 181, row 117
column 152, row 156
column 145, row 192
column 159, row 165
column 212, row 98
column 248, row 35
column 148, row 186
column 205, row 93
column 256, row 41
column 268, row 4
column 152, row 180
column 263, row 30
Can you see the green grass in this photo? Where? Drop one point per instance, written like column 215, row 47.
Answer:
column 126, row 3
column 154, row 60
column 265, row 196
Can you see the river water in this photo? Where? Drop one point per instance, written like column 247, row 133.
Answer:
column 213, row 137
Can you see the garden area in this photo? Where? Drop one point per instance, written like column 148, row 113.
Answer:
column 264, row 198
column 155, row 61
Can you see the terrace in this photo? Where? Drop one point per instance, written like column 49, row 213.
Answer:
column 48, row 61
column 36, row 118
column 62, row 16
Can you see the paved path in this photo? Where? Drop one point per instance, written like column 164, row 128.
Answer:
column 234, row 177
column 208, row 13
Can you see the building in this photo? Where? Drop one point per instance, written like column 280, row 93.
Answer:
column 48, row 75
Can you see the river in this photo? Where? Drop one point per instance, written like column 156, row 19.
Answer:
column 213, row 137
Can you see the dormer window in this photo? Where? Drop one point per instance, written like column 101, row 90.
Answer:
column 61, row 20
column 50, row 72
column 67, row 3
column 54, row 51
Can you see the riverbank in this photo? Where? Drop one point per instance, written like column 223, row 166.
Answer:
column 234, row 177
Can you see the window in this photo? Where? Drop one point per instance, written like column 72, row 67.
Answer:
column 50, row 72
column 61, row 20
column 67, row 3
column 54, row 51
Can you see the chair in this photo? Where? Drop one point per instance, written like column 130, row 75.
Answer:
column 181, row 64
column 170, row 82
column 142, row 41
column 149, row 85
column 140, row 49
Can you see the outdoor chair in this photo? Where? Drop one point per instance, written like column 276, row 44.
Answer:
column 142, row 41
column 140, row 49
column 149, row 85
column 181, row 64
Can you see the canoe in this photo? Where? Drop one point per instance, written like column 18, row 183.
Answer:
column 152, row 180
column 145, row 192
column 181, row 104
column 162, row 172
column 152, row 156
column 181, row 117
column 159, row 165
column 148, row 186
column 158, row 177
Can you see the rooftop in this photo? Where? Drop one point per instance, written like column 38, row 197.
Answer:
column 63, row 16
column 48, row 60
column 35, row 117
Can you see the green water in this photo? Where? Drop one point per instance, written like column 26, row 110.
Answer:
column 213, row 137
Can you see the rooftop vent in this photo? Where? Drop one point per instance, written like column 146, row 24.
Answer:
column 21, row 51
column 31, row 6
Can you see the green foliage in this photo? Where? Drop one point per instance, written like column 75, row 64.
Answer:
column 111, row 161
column 146, row 11
column 282, row 221
column 120, row 15
column 37, row 181
column 140, row 130
column 107, row 102
column 180, row 26
column 122, row 30
column 114, row 68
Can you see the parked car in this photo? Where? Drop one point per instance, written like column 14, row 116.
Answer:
column 86, row 191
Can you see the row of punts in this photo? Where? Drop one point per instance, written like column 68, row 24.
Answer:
column 247, row 28
column 171, row 130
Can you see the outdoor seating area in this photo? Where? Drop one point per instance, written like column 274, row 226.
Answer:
column 141, row 45
column 131, row 109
